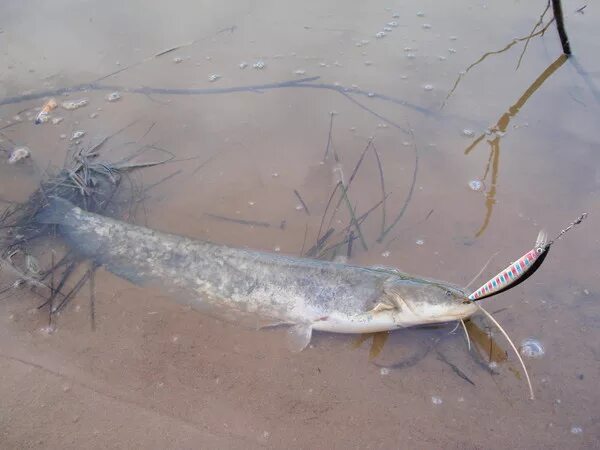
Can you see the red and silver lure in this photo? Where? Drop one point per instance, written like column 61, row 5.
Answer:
column 523, row 268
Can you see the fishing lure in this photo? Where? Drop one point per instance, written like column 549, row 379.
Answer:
column 523, row 268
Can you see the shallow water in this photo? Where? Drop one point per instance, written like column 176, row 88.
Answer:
column 154, row 374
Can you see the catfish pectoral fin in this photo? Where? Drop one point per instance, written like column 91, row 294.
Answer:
column 298, row 337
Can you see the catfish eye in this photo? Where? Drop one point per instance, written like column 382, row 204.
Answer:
column 448, row 293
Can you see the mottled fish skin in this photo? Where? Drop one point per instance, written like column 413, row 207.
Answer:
column 268, row 288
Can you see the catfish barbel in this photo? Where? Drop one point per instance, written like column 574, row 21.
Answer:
column 259, row 287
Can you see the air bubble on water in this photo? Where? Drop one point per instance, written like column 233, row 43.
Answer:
column 384, row 371
column 299, row 207
column 250, row 203
column 93, row 115
column 428, row 87
column 387, row 29
column 19, row 154
column 403, row 77
column 386, row 254
column 371, row 94
column 113, row 97
column 476, row 185
column 274, row 174
column 393, row 24
column 243, row 65
column 442, row 58
column 56, row 120
column 436, row 400
column 380, row 34
column 300, row 72
column 468, row 133
column 78, row 134
column 419, row 242
column 411, row 55
column 259, row 65
column 63, row 136
column 277, row 249
column 453, row 38
column 452, row 50
column 213, row 77
column 396, row 16
column 426, row 26
column 532, row 348
column 420, row 14
column 492, row 364
column 368, row 63
column 576, row 430
column 177, row 59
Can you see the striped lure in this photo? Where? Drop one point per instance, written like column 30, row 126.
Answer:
column 517, row 272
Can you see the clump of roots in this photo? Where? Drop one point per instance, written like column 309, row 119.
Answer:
column 87, row 181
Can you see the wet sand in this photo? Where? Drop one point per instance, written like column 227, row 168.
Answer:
column 156, row 375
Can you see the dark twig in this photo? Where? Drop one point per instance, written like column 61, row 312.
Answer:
column 538, row 24
column 302, row 201
column 331, row 114
column 320, row 243
column 337, row 186
column 408, row 196
column 454, row 368
column 93, row 296
column 560, row 26
column 252, row 223
column 382, row 183
column 350, row 240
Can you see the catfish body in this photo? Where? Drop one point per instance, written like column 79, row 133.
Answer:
column 259, row 287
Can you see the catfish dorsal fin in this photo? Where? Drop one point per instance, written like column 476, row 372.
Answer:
column 298, row 337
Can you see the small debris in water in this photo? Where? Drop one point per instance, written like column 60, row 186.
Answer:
column 250, row 203
column 78, row 134
column 436, row 400
column 259, row 65
column 277, row 249
column 371, row 94
column 428, row 87
column 468, row 133
column 299, row 207
column 386, row 254
column 476, row 185
column 368, row 63
column 384, row 371
column 113, row 97
column 43, row 115
column 419, row 242
column 300, row 72
column 426, row 26
column 453, row 38
column 213, row 77
column 56, row 120
column 174, row 339
column 93, row 115
column 17, row 118
column 532, row 348
column 75, row 104
column 243, row 65
column 63, row 136
column 380, row 34
column 576, row 430
column 177, row 60
column 19, row 154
